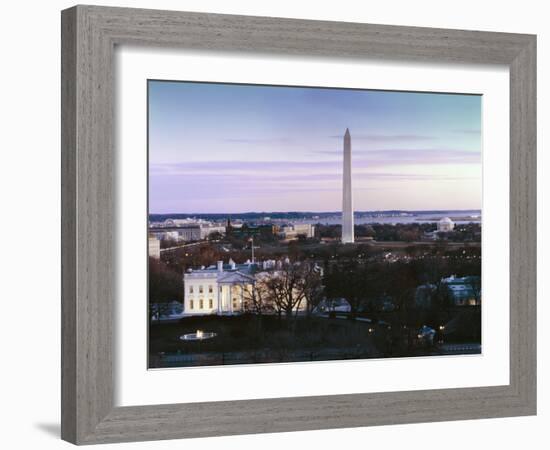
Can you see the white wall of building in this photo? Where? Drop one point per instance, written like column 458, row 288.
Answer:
column 154, row 247
column 296, row 229
column 201, row 294
column 445, row 225
column 211, row 229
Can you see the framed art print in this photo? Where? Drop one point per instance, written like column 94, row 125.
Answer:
column 252, row 200
column 273, row 247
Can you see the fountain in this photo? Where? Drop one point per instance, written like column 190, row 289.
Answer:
column 199, row 335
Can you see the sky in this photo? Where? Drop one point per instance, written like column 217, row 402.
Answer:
column 227, row 148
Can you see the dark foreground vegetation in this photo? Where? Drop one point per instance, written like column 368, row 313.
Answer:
column 249, row 338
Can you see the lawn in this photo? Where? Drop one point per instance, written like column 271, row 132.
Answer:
column 250, row 338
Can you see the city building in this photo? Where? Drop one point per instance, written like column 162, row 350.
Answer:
column 185, row 230
column 189, row 233
column 154, row 247
column 461, row 291
column 347, row 193
column 336, row 305
column 171, row 236
column 170, row 223
column 225, row 289
column 250, row 229
column 445, row 225
column 292, row 231
column 219, row 289
column 209, row 229
column 185, row 233
column 464, row 291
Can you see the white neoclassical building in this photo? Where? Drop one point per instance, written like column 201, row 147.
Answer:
column 445, row 225
column 154, row 247
column 226, row 289
column 219, row 289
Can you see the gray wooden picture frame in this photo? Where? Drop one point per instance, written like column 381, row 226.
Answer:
column 89, row 37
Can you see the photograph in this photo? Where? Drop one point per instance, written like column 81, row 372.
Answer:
column 270, row 225
column 293, row 224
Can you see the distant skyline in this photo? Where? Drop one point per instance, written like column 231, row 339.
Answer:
column 222, row 148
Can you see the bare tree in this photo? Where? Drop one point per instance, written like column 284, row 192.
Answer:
column 287, row 287
column 165, row 286
column 474, row 283
column 313, row 285
column 257, row 297
column 349, row 282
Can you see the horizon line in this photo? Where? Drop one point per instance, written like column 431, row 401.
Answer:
column 318, row 212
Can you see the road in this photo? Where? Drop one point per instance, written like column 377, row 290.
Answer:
column 182, row 246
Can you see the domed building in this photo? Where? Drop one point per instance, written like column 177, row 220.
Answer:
column 445, row 225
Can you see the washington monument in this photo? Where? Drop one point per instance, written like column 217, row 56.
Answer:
column 347, row 201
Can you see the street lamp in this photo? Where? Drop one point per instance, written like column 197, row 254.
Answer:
column 441, row 329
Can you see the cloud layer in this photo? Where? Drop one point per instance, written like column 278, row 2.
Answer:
column 222, row 148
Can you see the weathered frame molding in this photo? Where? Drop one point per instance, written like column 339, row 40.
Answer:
column 89, row 35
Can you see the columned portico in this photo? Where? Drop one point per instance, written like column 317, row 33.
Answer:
column 217, row 290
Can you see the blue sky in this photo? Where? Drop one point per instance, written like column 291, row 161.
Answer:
column 235, row 148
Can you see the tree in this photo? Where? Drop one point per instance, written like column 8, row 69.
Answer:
column 375, row 284
column 443, row 296
column 257, row 297
column 287, row 286
column 313, row 285
column 167, row 243
column 215, row 236
column 474, row 283
column 165, row 285
column 402, row 286
column 349, row 281
column 302, row 238
column 409, row 235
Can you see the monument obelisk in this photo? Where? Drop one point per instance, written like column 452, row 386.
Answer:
column 347, row 201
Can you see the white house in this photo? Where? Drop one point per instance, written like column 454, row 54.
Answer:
column 225, row 289
column 217, row 289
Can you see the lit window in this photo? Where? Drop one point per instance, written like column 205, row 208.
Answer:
column 210, row 303
column 201, row 304
column 234, row 303
column 190, row 304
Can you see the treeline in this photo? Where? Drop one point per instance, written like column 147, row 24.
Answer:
column 408, row 232
column 359, row 273
column 367, row 285
column 165, row 283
